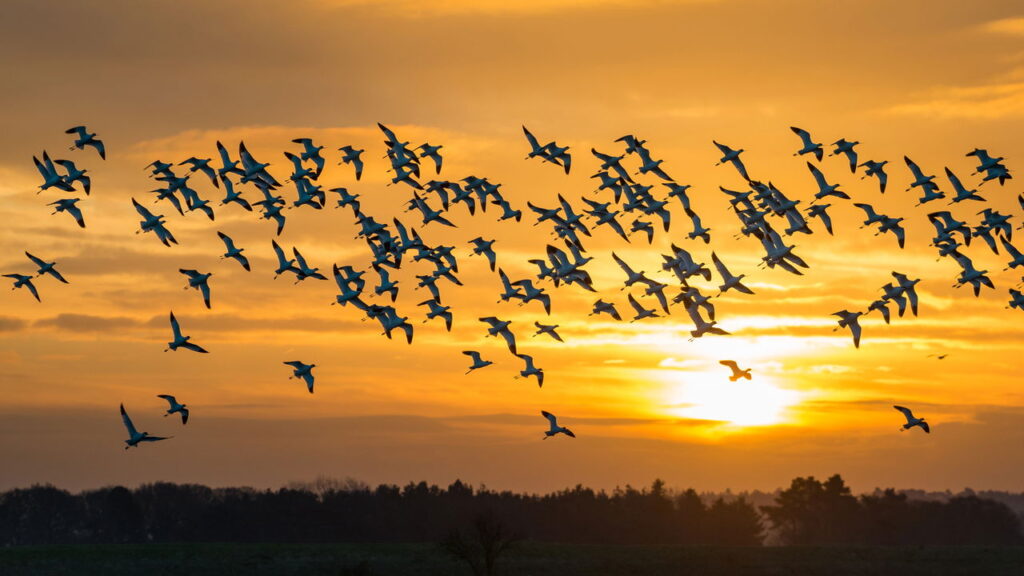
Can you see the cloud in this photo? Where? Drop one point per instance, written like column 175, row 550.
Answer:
column 986, row 102
column 11, row 324
column 1006, row 26
column 85, row 323
column 415, row 9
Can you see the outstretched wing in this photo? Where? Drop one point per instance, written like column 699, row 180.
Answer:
column 175, row 327
column 906, row 412
column 194, row 348
column 551, row 418
column 128, row 423
column 170, row 399
column 731, row 364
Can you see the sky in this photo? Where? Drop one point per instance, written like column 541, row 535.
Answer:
column 166, row 80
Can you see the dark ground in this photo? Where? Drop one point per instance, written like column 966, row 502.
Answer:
column 527, row 559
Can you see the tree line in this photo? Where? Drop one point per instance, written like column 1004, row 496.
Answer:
column 808, row 512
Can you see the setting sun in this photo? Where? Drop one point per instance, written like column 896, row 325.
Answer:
column 711, row 396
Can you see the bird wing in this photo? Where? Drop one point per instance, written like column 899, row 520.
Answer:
column 190, row 273
column 228, row 242
column 175, row 327
column 722, row 270
column 472, row 354
column 280, row 254
column 301, row 260
column 906, row 412
column 39, row 261
column 636, row 305
column 924, row 426
column 194, row 348
column 622, row 264
column 534, row 144
column 308, row 377
column 205, row 289
column 170, row 399
column 731, row 364
column 818, row 176
column 510, row 339
column 142, row 210
column 552, row 419
column 184, row 416
column 32, row 289
column 128, row 423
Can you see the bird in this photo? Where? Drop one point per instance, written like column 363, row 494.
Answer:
column 303, row 371
column 181, row 341
column 478, row 362
column 198, row 281
column 844, row 146
column 728, row 280
column 809, row 146
column 548, row 329
column 175, row 407
column 283, row 264
column 69, row 205
column 75, row 174
column 51, row 179
column 607, row 308
column 733, row 156
column 500, row 328
column 912, row 421
column 737, row 373
column 872, row 168
column 86, row 139
column 153, row 223
column 21, row 280
column 233, row 251
column 531, row 370
column 46, row 268
column 848, row 319
column 134, row 436
column 555, row 428
column 353, row 156
column 641, row 312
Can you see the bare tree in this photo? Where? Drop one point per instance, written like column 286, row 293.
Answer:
column 481, row 545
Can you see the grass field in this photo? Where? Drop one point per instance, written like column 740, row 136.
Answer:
column 528, row 559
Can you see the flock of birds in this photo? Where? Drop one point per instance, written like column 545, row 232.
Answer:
column 632, row 211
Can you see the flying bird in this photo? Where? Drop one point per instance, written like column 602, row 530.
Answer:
column 737, row 373
column 134, row 436
column 809, row 146
column 86, row 139
column 21, row 280
column 912, row 421
column 199, row 282
column 46, row 268
column 531, row 370
column 478, row 362
column 175, row 407
column 302, row 371
column 555, row 428
column 233, row 251
column 181, row 341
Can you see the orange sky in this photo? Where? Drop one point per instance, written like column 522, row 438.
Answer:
column 923, row 79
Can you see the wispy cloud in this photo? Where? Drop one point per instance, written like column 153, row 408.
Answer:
column 985, row 102
column 1008, row 26
column 414, row 9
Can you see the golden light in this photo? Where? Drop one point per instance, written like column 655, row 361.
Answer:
column 711, row 396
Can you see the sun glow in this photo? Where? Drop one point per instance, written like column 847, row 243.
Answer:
column 711, row 396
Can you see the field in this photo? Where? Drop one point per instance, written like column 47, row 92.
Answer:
column 527, row 559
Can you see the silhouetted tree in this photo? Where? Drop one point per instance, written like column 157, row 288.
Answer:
column 480, row 546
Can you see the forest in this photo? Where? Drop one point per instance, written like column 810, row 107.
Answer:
column 808, row 512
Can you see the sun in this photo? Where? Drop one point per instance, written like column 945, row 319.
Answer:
column 711, row 396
